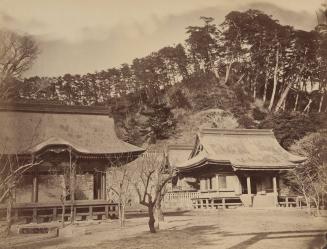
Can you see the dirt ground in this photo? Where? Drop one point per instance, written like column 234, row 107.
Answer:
column 232, row 229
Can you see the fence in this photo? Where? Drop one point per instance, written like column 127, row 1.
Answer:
column 182, row 199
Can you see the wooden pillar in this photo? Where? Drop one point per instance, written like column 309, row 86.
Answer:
column 107, row 211
column 104, row 192
column 217, row 182
column 54, row 214
column 34, row 217
column 35, row 188
column 90, row 212
column 274, row 184
column 274, row 180
column 202, row 184
column 248, row 183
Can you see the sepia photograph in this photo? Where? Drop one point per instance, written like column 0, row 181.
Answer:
column 163, row 124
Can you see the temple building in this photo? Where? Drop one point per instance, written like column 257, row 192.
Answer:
column 62, row 142
column 225, row 168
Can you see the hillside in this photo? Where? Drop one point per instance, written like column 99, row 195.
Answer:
column 249, row 71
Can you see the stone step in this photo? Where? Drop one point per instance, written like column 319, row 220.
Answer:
column 264, row 201
column 38, row 229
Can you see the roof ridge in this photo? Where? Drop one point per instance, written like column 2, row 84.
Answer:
column 51, row 108
column 236, row 131
column 180, row 146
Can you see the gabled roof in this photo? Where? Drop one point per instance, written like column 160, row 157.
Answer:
column 178, row 153
column 242, row 149
column 29, row 130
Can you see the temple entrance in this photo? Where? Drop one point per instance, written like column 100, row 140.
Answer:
column 254, row 183
column 99, row 186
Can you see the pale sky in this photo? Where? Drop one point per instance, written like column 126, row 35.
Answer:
column 83, row 36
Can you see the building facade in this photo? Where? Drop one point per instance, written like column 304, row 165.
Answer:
column 225, row 168
column 70, row 146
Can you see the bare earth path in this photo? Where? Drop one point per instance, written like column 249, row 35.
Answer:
column 233, row 229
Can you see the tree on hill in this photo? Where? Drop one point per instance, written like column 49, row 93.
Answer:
column 17, row 53
column 290, row 127
column 310, row 178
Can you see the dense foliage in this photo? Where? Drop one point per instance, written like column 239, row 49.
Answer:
column 250, row 56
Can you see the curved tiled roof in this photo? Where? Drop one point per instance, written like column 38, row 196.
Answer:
column 24, row 132
column 241, row 148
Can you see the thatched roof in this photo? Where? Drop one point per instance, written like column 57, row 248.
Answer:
column 241, row 148
column 30, row 130
column 178, row 153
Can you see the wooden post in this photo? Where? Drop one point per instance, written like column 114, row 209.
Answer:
column 54, row 214
column 35, row 189
column 35, row 215
column 35, row 183
column 248, row 183
column 217, row 181
column 275, row 190
column 107, row 211
column 104, row 194
column 90, row 212
column 224, row 203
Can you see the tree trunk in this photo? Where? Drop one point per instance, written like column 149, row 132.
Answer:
column 121, row 211
column 307, row 108
column 275, row 82
column 321, row 101
column 265, row 88
column 282, row 98
column 228, row 68
column 317, row 202
column 307, row 201
column 296, row 101
column 159, row 213
column 9, row 211
column 151, row 218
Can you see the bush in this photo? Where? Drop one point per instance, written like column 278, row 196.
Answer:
column 258, row 114
column 291, row 126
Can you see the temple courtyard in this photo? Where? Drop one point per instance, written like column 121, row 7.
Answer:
column 232, row 229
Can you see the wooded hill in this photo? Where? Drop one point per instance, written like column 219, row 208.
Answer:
column 249, row 68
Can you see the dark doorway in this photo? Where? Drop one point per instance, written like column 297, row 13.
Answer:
column 254, row 182
column 97, row 183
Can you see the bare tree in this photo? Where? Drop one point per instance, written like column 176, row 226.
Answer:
column 152, row 178
column 12, row 168
column 17, row 53
column 121, row 177
column 67, row 170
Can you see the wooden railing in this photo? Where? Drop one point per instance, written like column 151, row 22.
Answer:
column 183, row 195
column 44, row 212
column 291, row 201
column 216, row 202
column 180, row 199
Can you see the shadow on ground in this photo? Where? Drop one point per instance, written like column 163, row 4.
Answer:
column 317, row 236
